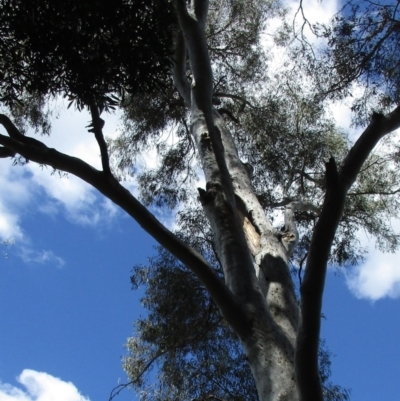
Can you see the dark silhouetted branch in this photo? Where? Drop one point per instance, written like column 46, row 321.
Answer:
column 97, row 129
column 113, row 190
column 338, row 184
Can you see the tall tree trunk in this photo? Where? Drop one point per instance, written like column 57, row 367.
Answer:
column 254, row 259
column 252, row 254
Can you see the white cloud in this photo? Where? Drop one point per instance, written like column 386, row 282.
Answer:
column 29, row 255
column 73, row 195
column 9, row 225
column 21, row 186
column 31, row 188
column 78, row 199
column 40, row 386
column 377, row 278
column 15, row 193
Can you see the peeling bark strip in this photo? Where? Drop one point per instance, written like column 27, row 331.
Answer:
column 252, row 236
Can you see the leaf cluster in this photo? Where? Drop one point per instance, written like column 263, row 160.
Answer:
column 287, row 137
column 86, row 50
column 196, row 353
column 363, row 44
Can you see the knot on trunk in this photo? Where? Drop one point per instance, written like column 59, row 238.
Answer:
column 205, row 140
column 208, row 195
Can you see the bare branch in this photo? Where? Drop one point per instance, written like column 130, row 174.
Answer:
column 11, row 129
column 312, row 179
column 97, row 129
column 297, row 204
column 374, row 193
column 209, row 397
column 14, row 133
column 192, row 26
column 303, row 259
column 200, row 10
column 116, row 390
column 380, row 126
column 222, row 111
column 282, row 203
column 290, row 235
column 306, row 207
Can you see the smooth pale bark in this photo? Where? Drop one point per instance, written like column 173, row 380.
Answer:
column 251, row 252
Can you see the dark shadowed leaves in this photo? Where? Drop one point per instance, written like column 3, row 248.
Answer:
column 83, row 49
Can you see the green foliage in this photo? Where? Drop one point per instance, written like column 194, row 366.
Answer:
column 332, row 392
column 287, row 137
column 184, row 336
column 233, row 34
column 85, row 50
column 196, row 354
column 363, row 48
column 282, row 129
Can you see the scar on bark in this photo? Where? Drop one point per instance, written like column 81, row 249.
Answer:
column 250, row 230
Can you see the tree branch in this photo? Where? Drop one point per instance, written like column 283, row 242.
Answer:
column 290, row 235
column 338, row 184
column 298, row 205
column 374, row 193
column 235, row 97
column 306, row 207
column 380, row 126
column 192, row 25
column 196, row 10
column 311, row 290
column 308, row 176
column 14, row 133
column 97, row 129
column 179, row 68
column 223, row 110
column 209, row 397
column 5, row 152
column 106, row 184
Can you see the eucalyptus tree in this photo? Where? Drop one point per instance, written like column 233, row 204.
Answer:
column 197, row 68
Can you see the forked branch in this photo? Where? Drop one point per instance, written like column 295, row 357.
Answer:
column 338, row 184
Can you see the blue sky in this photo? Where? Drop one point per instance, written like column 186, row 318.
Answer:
column 68, row 316
column 66, row 306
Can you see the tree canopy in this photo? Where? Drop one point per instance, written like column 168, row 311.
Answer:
column 84, row 49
